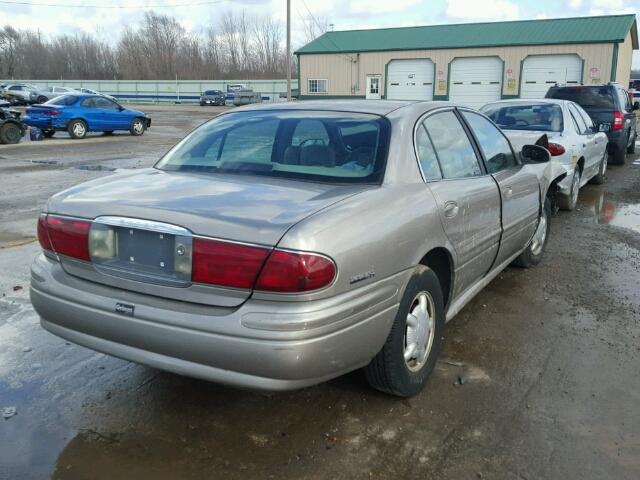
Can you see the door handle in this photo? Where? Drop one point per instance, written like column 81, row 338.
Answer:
column 451, row 209
column 507, row 192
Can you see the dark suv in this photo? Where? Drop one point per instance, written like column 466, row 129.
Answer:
column 610, row 109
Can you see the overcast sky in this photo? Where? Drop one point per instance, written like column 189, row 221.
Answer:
column 344, row 14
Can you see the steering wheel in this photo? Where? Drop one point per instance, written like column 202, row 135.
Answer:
column 524, row 122
column 311, row 141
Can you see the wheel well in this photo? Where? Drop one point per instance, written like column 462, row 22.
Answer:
column 439, row 260
column 581, row 165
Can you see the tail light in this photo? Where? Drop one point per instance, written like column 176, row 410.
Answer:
column 618, row 121
column 52, row 112
column 235, row 265
column 66, row 236
column 226, row 264
column 555, row 149
column 292, row 272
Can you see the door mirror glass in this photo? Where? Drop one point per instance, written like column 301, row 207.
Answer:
column 636, row 105
column 534, row 154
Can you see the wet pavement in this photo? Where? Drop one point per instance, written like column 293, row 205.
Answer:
column 539, row 376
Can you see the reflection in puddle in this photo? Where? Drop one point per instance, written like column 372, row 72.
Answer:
column 608, row 212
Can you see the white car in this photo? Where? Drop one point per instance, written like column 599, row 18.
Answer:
column 573, row 140
column 93, row 92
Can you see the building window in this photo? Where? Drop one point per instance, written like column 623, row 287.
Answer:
column 317, row 85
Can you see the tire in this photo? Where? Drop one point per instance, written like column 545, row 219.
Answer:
column 48, row 133
column 42, row 99
column 389, row 372
column 602, row 171
column 137, row 127
column 632, row 148
column 618, row 156
column 77, row 129
column 534, row 252
column 569, row 202
column 10, row 133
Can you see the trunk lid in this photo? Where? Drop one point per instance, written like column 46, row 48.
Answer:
column 239, row 208
column 520, row 138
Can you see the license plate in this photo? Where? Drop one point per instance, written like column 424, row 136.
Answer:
column 140, row 254
column 604, row 127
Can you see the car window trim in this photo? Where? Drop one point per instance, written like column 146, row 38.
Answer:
column 477, row 142
column 420, row 121
column 570, row 107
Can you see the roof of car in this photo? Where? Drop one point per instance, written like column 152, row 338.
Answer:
column 377, row 107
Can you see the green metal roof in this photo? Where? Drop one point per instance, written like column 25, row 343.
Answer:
column 603, row 29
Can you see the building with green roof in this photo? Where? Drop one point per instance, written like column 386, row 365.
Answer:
column 471, row 63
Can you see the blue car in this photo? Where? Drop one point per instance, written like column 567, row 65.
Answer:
column 83, row 113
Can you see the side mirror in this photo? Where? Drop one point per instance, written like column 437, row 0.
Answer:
column 636, row 105
column 534, row 154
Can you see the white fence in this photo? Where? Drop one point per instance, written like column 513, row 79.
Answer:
column 168, row 90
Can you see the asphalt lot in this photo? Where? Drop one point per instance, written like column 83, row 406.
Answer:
column 538, row 378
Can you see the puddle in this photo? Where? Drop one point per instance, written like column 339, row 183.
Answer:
column 98, row 168
column 609, row 212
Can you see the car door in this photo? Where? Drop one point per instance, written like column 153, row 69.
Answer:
column 114, row 118
column 519, row 186
column 92, row 114
column 587, row 146
column 597, row 142
column 468, row 199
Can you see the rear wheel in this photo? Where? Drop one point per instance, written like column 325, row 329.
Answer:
column 77, row 129
column 569, row 202
column 138, row 127
column 42, row 99
column 533, row 254
column 618, row 156
column 409, row 355
column 10, row 133
column 632, row 148
column 600, row 177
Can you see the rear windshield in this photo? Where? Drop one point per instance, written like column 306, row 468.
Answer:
column 212, row 92
column 309, row 145
column 585, row 96
column 63, row 100
column 540, row 117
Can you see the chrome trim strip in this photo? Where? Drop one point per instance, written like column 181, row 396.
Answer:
column 153, row 226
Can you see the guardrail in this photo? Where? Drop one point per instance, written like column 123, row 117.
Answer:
column 183, row 91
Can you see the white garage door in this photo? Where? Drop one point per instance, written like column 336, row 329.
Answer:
column 543, row 71
column 410, row 80
column 475, row 81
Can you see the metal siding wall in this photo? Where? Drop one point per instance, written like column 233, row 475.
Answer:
column 167, row 90
column 625, row 54
column 341, row 74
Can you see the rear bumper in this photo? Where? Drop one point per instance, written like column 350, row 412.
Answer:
column 45, row 123
column 262, row 344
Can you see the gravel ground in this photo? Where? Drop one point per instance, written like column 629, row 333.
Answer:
column 538, row 377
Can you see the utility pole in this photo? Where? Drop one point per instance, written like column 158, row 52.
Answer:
column 288, row 50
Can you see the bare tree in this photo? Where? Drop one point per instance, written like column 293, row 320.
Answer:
column 239, row 45
column 313, row 27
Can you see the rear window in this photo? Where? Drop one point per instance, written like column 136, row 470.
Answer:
column 308, row 145
column 63, row 100
column 539, row 116
column 585, row 96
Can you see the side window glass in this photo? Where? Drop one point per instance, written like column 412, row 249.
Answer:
column 582, row 127
column 89, row 103
column 493, row 143
column 427, row 155
column 587, row 119
column 453, row 147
